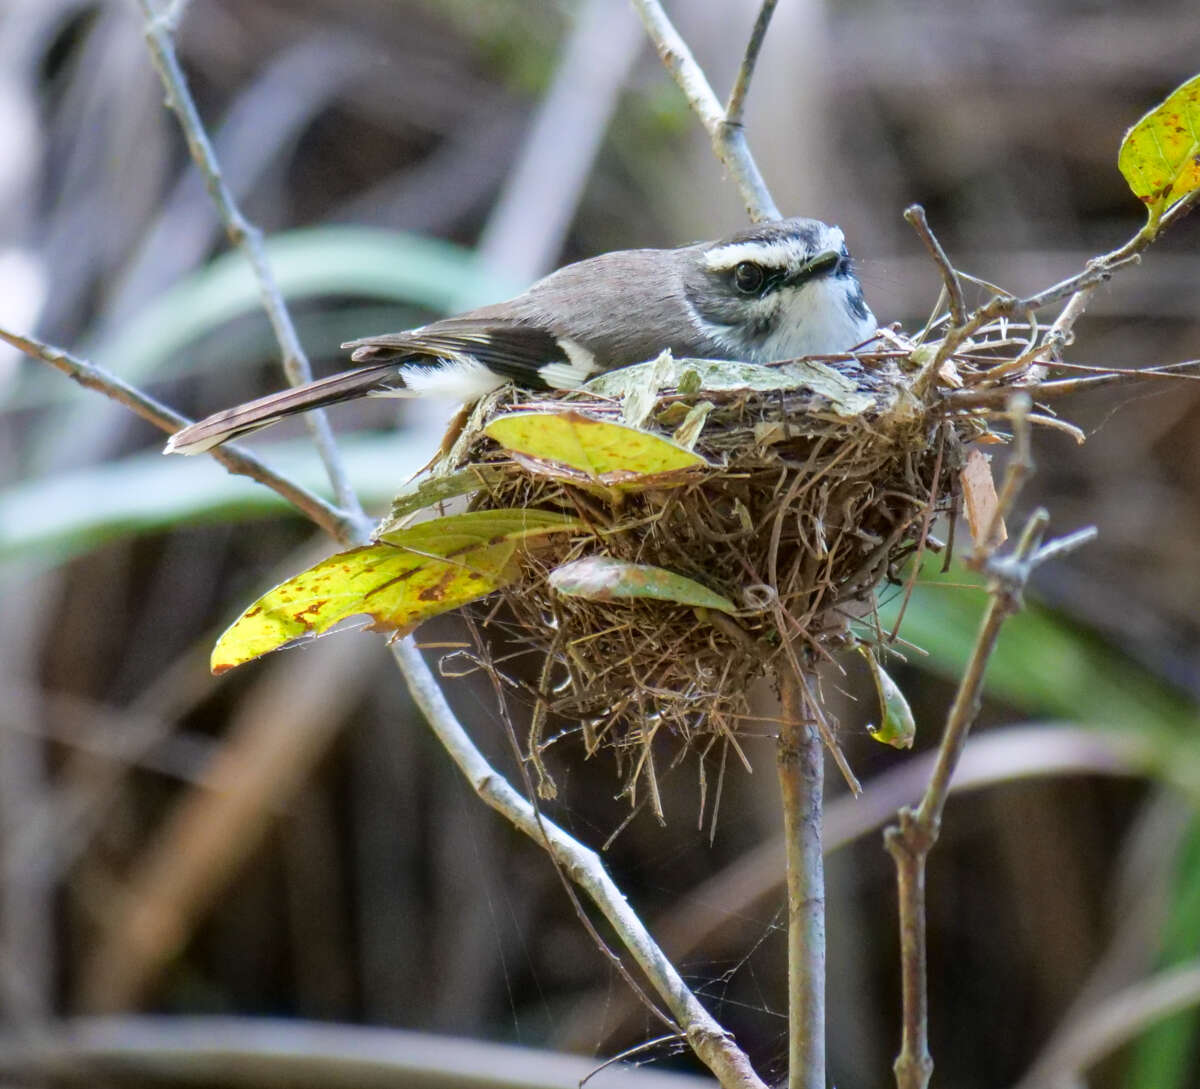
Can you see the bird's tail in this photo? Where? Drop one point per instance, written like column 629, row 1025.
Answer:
column 241, row 420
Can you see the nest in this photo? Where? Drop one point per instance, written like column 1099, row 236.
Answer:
column 808, row 503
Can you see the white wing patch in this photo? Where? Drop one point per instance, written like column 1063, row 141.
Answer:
column 463, row 378
column 580, row 367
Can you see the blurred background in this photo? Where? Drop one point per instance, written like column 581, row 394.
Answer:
column 288, row 841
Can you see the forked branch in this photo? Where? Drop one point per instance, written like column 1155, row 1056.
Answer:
column 912, row 838
column 723, row 126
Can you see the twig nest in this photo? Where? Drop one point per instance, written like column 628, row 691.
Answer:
column 799, row 489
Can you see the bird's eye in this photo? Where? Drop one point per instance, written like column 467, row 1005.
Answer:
column 748, row 277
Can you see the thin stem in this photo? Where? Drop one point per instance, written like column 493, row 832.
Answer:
column 337, row 523
column 712, row 1044
column 1077, row 289
column 910, row 840
column 801, row 762
column 914, row 215
column 741, row 85
column 909, row 845
column 1020, row 467
column 728, row 140
column 247, row 237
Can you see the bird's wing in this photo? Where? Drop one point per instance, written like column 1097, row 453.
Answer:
column 512, row 350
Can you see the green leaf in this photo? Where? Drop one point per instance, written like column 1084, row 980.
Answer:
column 1160, row 155
column 607, row 453
column 602, row 578
column 897, row 727
column 405, row 578
column 437, row 489
column 694, row 375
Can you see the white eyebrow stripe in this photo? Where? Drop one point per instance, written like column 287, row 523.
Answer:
column 782, row 253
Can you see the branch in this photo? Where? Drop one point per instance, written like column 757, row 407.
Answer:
column 714, row 1046
column 914, row 215
column 726, row 132
column 800, row 760
column 247, row 237
column 741, row 85
column 278, row 1053
column 338, row 523
column 912, row 838
column 1077, row 289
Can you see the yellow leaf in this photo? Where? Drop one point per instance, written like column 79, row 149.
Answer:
column 1160, row 155
column 608, row 453
column 406, row 577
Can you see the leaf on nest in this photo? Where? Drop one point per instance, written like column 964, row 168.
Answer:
column 688, row 432
column 980, row 499
column 437, row 489
column 721, row 375
column 404, row 578
column 573, row 445
column 641, row 396
column 898, row 727
column 1160, row 155
column 602, row 578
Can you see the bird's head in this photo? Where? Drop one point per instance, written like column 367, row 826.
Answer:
column 778, row 290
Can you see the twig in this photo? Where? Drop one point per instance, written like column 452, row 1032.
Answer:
column 714, row 1046
column 728, row 138
column 1077, row 289
column 173, row 14
column 279, row 1053
column 247, row 237
column 914, row 215
column 1005, row 754
column 545, row 788
column 741, row 85
column 338, row 523
column 912, row 838
column 1061, row 387
column 1020, row 467
column 800, row 759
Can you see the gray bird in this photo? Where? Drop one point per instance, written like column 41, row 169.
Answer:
column 773, row 292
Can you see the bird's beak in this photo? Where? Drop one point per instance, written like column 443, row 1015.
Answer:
column 815, row 266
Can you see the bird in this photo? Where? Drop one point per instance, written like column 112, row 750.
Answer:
column 769, row 293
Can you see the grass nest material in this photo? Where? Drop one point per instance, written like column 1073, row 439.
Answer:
column 807, row 502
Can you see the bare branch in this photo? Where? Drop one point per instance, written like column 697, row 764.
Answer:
column 247, row 237
column 728, row 139
column 912, row 838
column 282, row 1053
column 1077, row 289
column 914, row 215
column 800, row 759
column 339, row 524
column 741, row 85
column 711, row 1043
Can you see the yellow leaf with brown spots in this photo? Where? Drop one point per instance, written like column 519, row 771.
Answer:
column 577, row 446
column 1160, row 155
column 406, row 577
